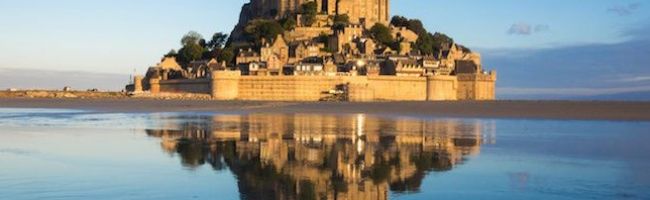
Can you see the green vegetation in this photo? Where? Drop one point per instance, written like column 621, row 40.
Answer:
column 427, row 42
column 192, row 48
column 191, row 37
column 414, row 25
column 171, row 53
column 259, row 29
column 341, row 21
column 382, row 34
column 227, row 54
column 218, row 41
column 288, row 23
column 309, row 12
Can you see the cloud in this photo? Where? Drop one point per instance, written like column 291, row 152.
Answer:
column 638, row 31
column 561, row 72
column 623, row 10
column 523, row 28
column 541, row 28
column 635, row 79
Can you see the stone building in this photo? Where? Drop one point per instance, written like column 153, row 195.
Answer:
column 366, row 12
column 247, row 56
column 275, row 55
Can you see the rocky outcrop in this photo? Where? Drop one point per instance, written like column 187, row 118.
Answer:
column 246, row 14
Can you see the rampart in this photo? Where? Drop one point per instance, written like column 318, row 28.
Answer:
column 231, row 85
column 201, row 86
column 477, row 86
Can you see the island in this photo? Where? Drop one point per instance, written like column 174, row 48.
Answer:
column 322, row 50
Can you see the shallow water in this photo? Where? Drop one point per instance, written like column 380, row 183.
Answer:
column 68, row 154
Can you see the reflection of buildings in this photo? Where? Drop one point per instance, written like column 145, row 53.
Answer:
column 323, row 157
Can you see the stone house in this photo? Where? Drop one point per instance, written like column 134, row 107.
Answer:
column 276, row 55
column 202, row 68
column 404, row 34
column 306, row 49
column 409, row 68
column 306, row 69
column 247, row 56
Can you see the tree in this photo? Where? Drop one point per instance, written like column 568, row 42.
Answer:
column 261, row 28
column 309, row 8
column 218, row 41
column 226, row 55
column 171, row 53
column 344, row 18
column 442, row 41
column 309, row 11
column 399, row 21
column 288, row 23
column 192, row 48
column 425, row 44
column 416, row 26
column 382, row 34
column 322, row 38
column 432, row 43
column 203, row 43
column 189, row 53
column 191, row 38
column 341, row 21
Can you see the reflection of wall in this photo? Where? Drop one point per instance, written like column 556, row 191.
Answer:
column 347, row 157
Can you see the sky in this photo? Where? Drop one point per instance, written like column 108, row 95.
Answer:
column 538, row 47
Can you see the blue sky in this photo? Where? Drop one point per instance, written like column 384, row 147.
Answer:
column 118, row 36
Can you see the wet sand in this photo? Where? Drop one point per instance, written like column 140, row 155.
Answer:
column 564, row 110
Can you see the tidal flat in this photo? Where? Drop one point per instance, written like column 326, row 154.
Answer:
column 86, row 154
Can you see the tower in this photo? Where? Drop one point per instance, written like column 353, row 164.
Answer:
column 359, row 11
column 367, row 12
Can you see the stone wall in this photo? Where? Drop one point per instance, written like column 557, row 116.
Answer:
column 394, row 88
column 231, row 85
column 225, row 85
column 289, row 88
column 199, row 86
column 442, row 88
column 477, row 86
column 313, row 88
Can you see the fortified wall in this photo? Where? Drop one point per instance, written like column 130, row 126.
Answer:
column 231, row 85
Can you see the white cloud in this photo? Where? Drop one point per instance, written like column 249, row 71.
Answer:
column 635, row 79
column 622, row 10
column 523, row 28
column 520, row 29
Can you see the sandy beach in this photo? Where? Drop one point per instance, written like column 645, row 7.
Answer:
column 563, row 110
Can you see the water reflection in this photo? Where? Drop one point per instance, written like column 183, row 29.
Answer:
column 322, row 157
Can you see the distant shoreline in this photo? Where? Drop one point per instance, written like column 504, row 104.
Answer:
column 558, row 110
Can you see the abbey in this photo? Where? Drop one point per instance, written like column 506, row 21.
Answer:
column 359, row 11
